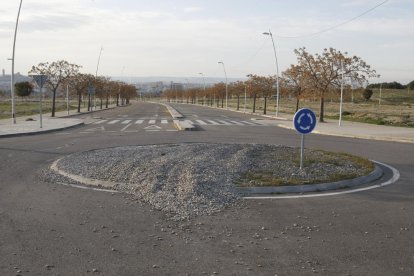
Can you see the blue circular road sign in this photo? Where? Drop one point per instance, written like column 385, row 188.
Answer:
column 304, row 120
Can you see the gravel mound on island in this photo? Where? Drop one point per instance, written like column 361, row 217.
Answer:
column 186, row 180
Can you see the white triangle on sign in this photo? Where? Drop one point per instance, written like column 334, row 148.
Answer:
column 152, row 127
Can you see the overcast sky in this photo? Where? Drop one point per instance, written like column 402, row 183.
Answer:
column 185, row 37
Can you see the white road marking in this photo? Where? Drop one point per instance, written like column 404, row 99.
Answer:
column 127, row 126
column 212, row 122
column 237, row 123
column 100, row 122
column 201, row 122
column 113, row 122
column 164, row 121
column 224, row 122
column 395, row 177
column 151, row 122
column 138, row 122
column 126, row 122
column 152, row 127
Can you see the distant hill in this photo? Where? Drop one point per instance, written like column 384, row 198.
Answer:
column 208, row 80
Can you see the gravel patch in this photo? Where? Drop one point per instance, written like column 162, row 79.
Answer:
column 186, row 180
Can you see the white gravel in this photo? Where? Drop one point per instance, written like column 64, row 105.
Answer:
column 186, row 180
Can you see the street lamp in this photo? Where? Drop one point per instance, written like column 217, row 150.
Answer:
column 204, row 87
column 277, row 72
column 12, row 72
column 227, row 90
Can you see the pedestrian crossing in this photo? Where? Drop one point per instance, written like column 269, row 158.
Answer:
column 199, row 122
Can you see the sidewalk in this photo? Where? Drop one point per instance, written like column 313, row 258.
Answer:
column 356, row 130
column 24, row 126
column 347, row 128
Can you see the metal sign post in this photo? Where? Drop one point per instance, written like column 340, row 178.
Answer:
column 304, row 122
column 40, row 81
column 91, row 91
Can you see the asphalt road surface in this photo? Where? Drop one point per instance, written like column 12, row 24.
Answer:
column 53, row 229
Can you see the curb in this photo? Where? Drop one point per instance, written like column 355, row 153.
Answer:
column 349, row 183
column 183, row 125
column 87, row 112
column 81, row 179
column 41, row 131
column 174, row 113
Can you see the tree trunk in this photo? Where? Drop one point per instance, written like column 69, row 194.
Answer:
column 53, row 103
column 238, row 102
column 222, row 102
column 107, row 100
column 101, row 102
column 297, row 104
column 254, row 103
column 117, row 100
column 321, row 110
column 265, row 105
column 79, row 101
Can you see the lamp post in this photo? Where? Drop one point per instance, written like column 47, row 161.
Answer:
column 227, row 90
column 204, row 87
column 277, row 72
column 342, row 95
column 12, row 72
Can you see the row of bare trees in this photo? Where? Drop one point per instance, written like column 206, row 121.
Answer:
column 62, row 73
column 313, row 77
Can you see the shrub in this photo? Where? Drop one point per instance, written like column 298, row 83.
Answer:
column 367, row 94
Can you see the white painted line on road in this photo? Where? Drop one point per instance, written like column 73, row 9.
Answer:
column 201, row 122
column 153, row 130
column 164, row 121
column 395, row 177
column 127, row 126
column 224, row 122
column 100, row 122
column 151, row 122
column 195, row 115
column 237, row 123
column 138, row 122
column 213, row 122
column 126, row 122
column 113, row 122
column 172, row 130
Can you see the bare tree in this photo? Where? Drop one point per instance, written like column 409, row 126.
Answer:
column 324, row 70
column 58, row 72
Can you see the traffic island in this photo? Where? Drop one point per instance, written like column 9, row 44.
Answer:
column 186, row 180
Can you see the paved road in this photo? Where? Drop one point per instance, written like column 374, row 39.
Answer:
column 51, row 229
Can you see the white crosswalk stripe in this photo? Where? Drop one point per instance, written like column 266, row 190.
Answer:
column 237, row 123
column 213, row 122
column 224, row 122
column 203, row 122
column 113, row 122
